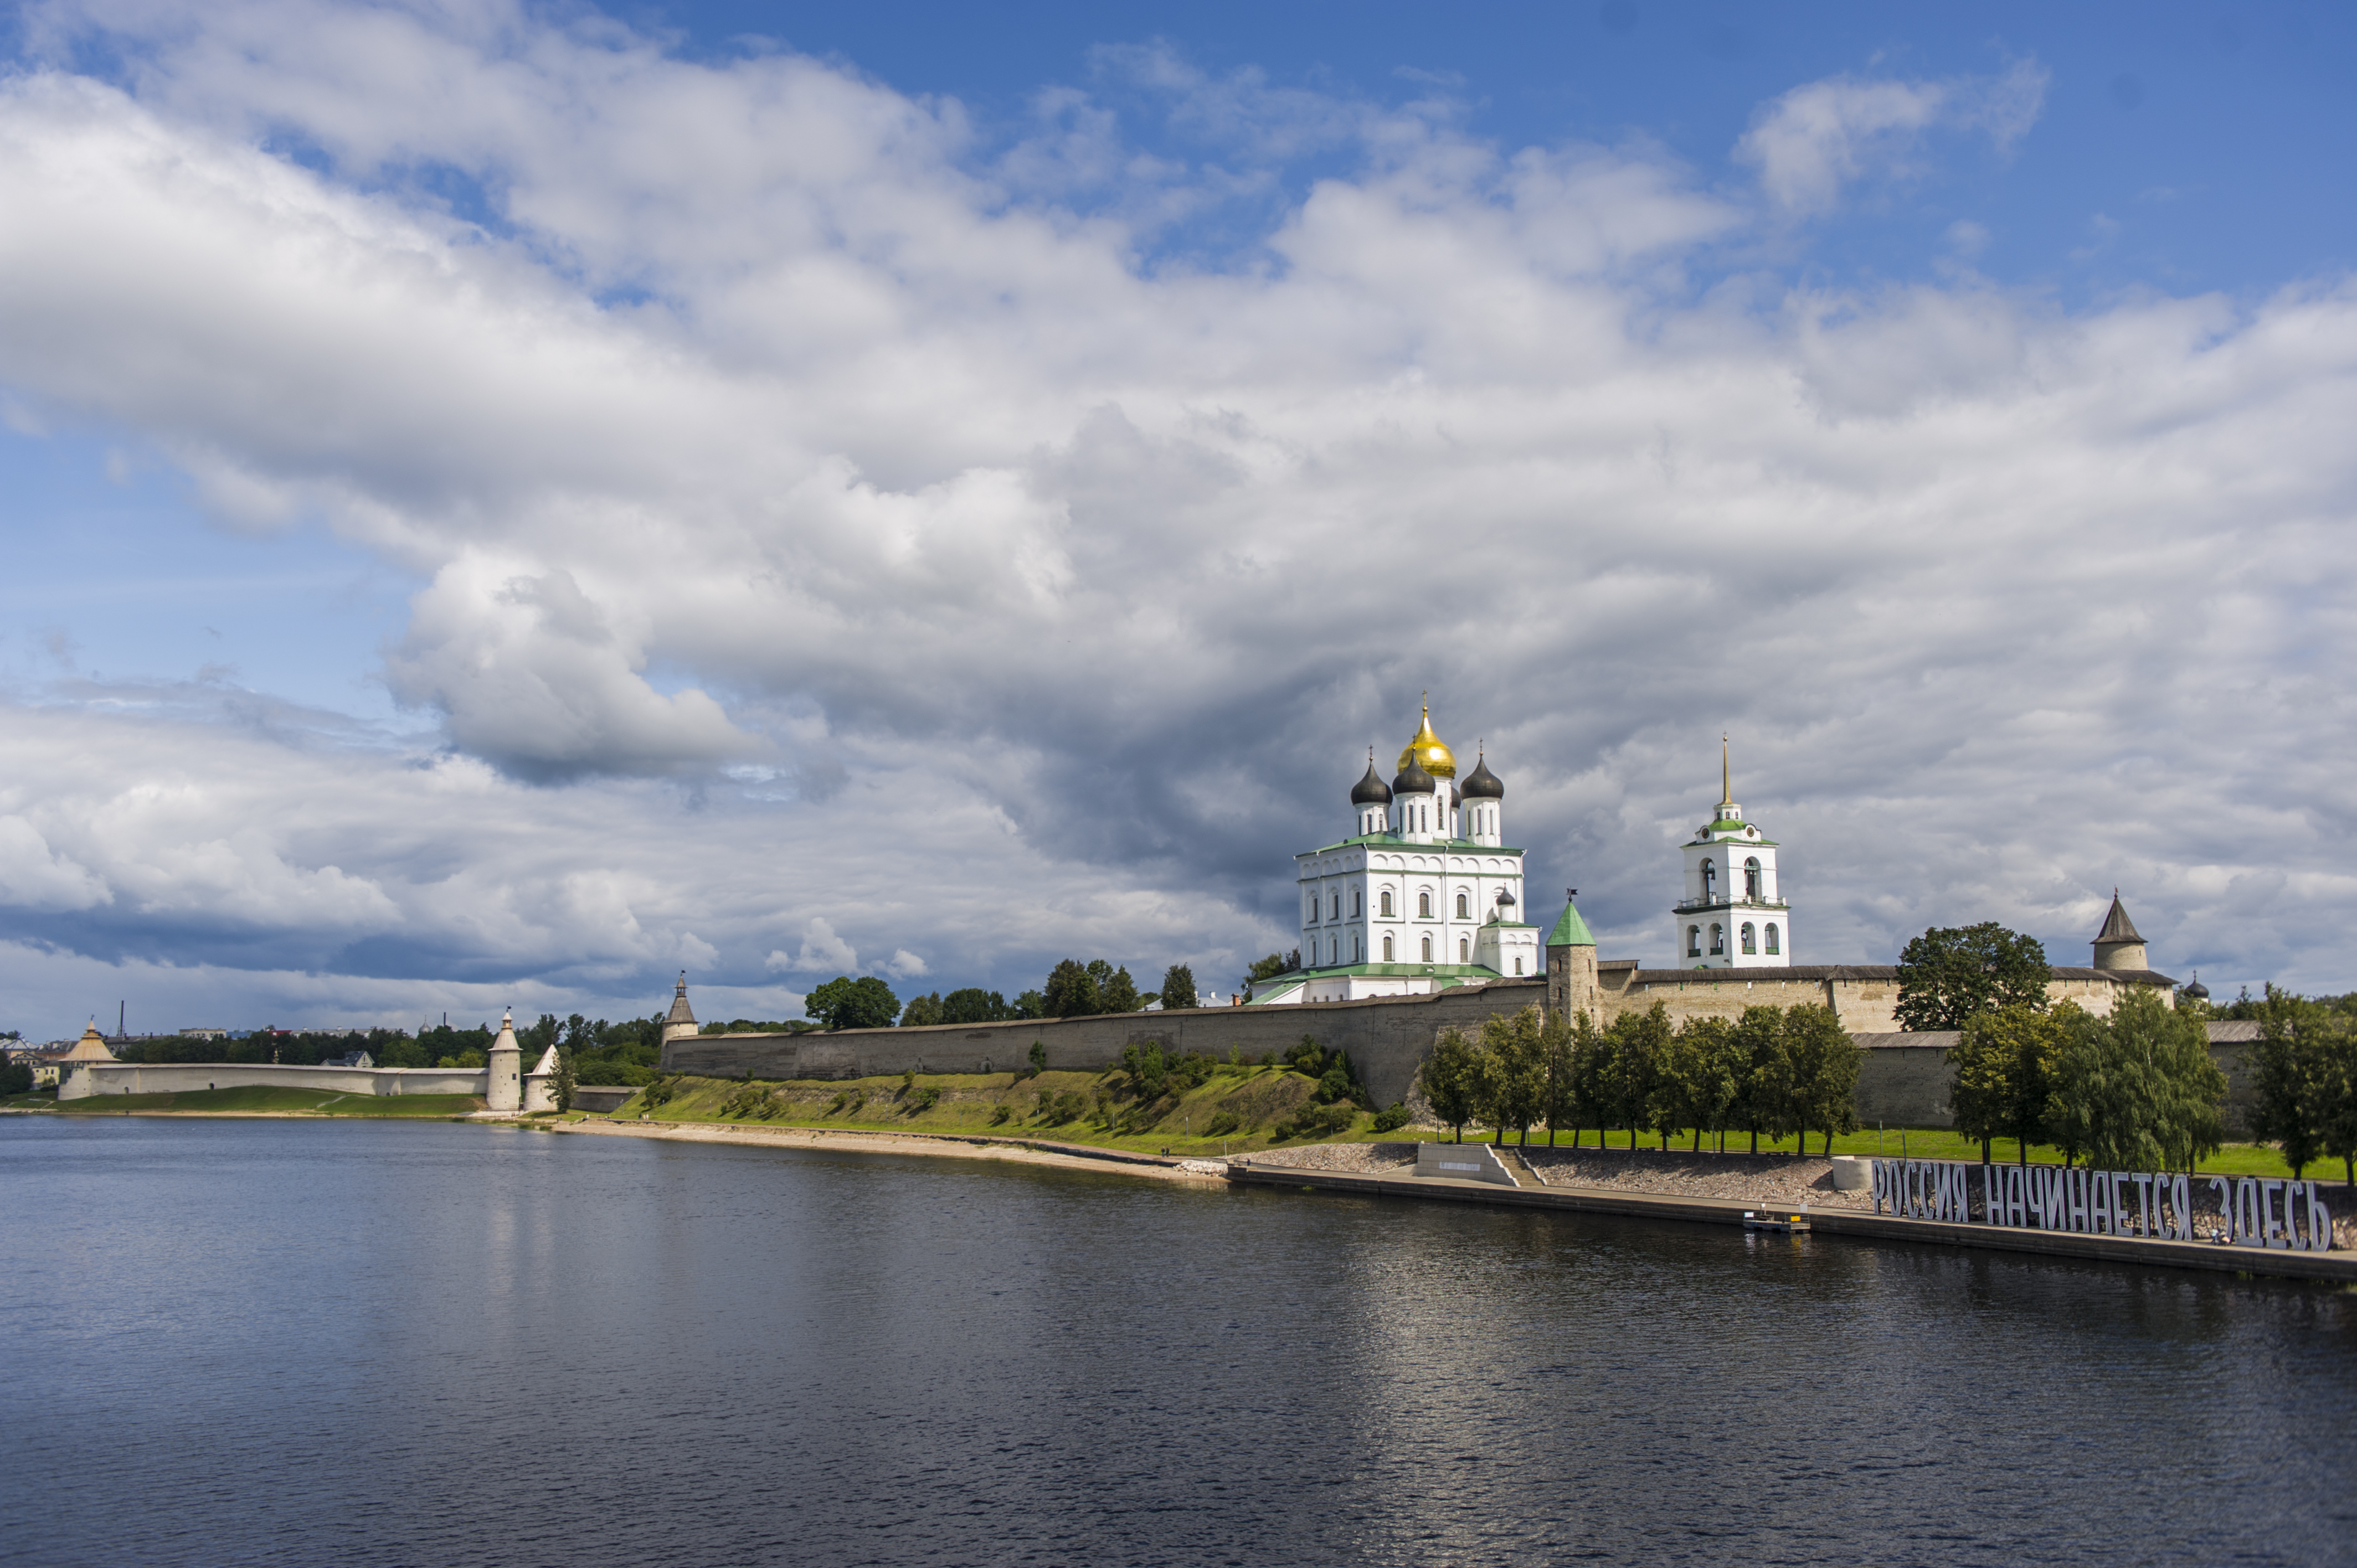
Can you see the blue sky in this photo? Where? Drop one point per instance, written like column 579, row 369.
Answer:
column 506, row 503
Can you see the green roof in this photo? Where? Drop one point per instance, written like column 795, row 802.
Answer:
column 1571, row 931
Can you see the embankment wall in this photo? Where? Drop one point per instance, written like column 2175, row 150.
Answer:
column 182, row 1078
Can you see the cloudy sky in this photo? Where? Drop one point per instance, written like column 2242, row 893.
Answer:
column 507, row 502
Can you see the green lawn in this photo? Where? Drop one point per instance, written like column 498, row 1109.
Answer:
column 314, row 1102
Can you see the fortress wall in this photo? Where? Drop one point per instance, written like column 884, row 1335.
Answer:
column 181, row 1077
column 1386, row 1037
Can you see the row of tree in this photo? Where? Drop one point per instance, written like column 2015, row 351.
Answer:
column 1781, row 1071
column 2135, row 1090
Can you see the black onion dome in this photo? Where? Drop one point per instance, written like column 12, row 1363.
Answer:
column 2197, row 991
column 1412, row 781
column 1483, row 785
column 1370, row 790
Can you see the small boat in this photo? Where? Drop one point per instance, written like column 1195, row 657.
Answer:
column 1783, row 1220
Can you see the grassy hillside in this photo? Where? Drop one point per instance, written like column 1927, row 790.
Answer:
column 312, row 1101
column 1232, row 1108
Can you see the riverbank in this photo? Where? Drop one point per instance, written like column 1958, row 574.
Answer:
column 836, row 1140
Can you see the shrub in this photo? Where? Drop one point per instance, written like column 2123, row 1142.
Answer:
column 1317, row 1122
column 922, row 1101
column 1391, row 1118
column 752, row 1099
column 1222, row 1126
column 662, row 1091
column 1003, row 1114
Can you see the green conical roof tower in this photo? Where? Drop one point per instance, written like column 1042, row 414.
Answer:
column 1570, row 931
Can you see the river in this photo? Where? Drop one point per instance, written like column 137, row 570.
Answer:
column 311, row 1342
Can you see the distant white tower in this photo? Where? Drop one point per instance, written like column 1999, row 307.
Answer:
column 1733, row 915
column 504, row 1090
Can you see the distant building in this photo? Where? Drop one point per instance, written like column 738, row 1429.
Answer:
column 350, row 1059
column 90, row 1048
column 191, row 1032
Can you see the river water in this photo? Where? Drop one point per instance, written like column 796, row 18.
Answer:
column 313, row 1343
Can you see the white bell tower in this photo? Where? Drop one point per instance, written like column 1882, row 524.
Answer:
column 1733, row 914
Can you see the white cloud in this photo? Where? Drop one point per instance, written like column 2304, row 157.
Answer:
column 904, row 561
column 1813, row 140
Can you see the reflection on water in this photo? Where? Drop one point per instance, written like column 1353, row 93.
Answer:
column 307, row 1343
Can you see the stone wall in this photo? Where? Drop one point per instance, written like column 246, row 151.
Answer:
column 1864, row 996
column 182, row 1078
column 1387, row 1036
column 1902, row 1083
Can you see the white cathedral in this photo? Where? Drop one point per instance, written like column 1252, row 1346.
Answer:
column 1425, row 894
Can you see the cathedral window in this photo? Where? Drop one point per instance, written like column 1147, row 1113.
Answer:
column 1464, row 952
column 1428, row 949
column 1693, row 942
column 1460, row 906
column 1387, row 950
column 1354, row 947
column 1751, row 879
column 1518, row 966
column 1338, row 907
column 1748, row 938
column 1355, row 902
column 1717, row 937
column 1423, row 905
column 1772, row 937
column 1387, row 908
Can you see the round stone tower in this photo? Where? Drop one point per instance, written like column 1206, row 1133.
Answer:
column 680, row 1023
column 504, row 1089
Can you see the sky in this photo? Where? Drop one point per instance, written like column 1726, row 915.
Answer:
column 507, row 503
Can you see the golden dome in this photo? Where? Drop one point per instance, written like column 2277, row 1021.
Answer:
column 1430, row 750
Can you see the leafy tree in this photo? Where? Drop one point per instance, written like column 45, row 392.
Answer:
column 16, row 1077
column 2292, row 1076
column 1947, row 975
column 2135, row 1091
column 1766, row 1102
column 1118, row 993
column 847, row 1003
column 1825, row 1063
column 1631, row 1079
column 1179, row 987
column 1071, row 991
column 1149, row 1073
column 1272, row 966
column 566, row 1082
column 1039, row 1057
column 1709, row 1067
column 1559, row 1040
column 921, row 1011
column 1031, row 1005
column 1450, row 1079
column 1512, row 1071
column 975, row 1005
column 2004, row 1074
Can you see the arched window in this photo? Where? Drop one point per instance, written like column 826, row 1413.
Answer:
column 1423, row 905
column 1693, row 942
column 1464, row 950
column 1387, row 950
column 1338, row 907
column 1354, row 947
column 1518, row 966
column 1355, row 902
column 1709, row 879
column 1428, row 949
column 1752, row 879
column 1772, row 937
column 1460, row 906
column 1748, row 940
column 1717, row 937
column 1387, row 907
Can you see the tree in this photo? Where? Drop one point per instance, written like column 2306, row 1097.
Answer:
column 1118, row 993
column 1030, row 1004
column 1825, row 1063
column 1707, row 1067
column 1450, row 1079
column 1272, row 966
column 1071, row 992
column 1632, row 1080
column 2004, row 1074
column 1512, row 1076
column 1039, row 1057
column 922, row 1011
column 975, row 1005
column 2292, row 1075
column 1558, row 1043
column 566, row 1082
column 1947, row 975
column 1177, row 987
column 847, row 1003
column 2135, row 1091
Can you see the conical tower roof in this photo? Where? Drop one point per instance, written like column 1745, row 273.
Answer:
column 505, row 1041
column 2117, row 926
column 90, row 1048
column 1570, row 931
column 679, row 1012
column 547, row 1061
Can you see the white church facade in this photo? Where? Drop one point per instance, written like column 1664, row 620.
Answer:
column 1732, row 915
column 1425, row 895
